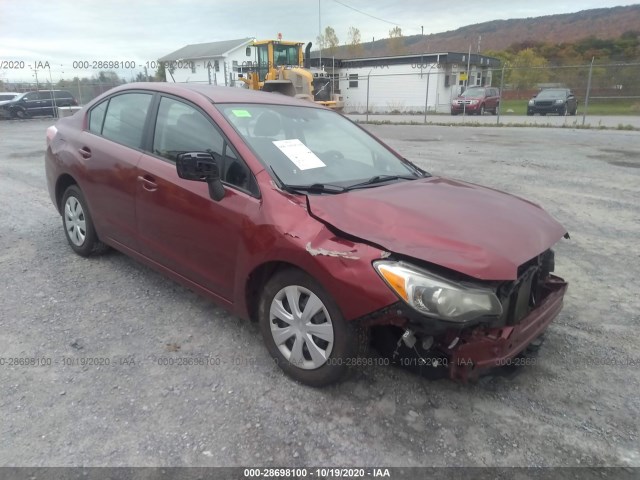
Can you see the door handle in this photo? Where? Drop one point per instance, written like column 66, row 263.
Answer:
column 85, row 152
column 148, row 183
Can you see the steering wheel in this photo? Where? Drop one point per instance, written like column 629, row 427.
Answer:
column 331, row 155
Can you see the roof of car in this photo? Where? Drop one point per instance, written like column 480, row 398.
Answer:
column 219, row 94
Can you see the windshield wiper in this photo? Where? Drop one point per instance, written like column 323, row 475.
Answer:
column 317, row 188
column 380, row 179
column 311, row 188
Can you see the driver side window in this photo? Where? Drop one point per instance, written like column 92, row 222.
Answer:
column 182, row 128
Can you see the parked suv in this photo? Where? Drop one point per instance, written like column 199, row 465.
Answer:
column 553, row 100
column 477, row 100
column 41, row 102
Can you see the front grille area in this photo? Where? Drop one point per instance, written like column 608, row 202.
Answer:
column 543, row 104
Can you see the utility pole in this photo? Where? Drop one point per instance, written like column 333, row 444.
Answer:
column 35, row 71
column 422, row 29
column 320, row 35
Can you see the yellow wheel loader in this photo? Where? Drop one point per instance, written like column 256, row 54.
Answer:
column 281, row 67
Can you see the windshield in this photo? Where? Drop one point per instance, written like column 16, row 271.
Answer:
column 307, row 146
column 285, row 55
column 473, row 92
column 552, row 94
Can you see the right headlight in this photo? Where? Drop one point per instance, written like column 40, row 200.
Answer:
column 435, row 296
column 531, row 102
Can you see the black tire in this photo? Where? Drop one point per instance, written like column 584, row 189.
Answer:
column 83, row 241
column 20, row 113
column 563, row 111
column 481, row 111
column 529, row 113
column 348, row 344
column 495, row 110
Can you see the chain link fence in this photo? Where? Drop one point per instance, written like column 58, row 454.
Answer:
column 425, row 90
column 600, row 89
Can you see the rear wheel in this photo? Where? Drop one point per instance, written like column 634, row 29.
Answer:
column 305, row 331
column 78, row 225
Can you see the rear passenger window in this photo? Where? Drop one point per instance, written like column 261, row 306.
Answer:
column 96, row 117
column 125, row 117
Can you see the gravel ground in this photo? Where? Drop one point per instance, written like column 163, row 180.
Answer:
column 573, row 407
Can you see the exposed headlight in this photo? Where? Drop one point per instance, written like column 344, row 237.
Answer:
column 473, row 102
column 559, row 101
column 435, row 296
column 531, row 102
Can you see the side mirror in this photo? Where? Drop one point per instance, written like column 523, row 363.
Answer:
column 201, row 167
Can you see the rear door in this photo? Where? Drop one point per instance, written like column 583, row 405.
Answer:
column 45, row 103
column 180, row 226
column 492, row 100
column 110, row 151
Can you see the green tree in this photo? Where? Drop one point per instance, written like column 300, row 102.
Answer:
column 354, row 42
column 528, row 69
column 396, row 41
column 161, row 73
column 329, row 40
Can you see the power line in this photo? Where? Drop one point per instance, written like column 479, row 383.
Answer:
column 368, row 15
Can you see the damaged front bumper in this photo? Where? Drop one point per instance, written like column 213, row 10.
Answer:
column 437, row 351
column 481, row 349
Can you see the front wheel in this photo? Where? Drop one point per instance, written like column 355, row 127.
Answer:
column 78, row 225
column 20, row 113
column 305, row 331
column 481, row 111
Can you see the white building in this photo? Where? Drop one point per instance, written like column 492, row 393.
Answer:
column 216, row 63
column 392, row 84
column 399, row 83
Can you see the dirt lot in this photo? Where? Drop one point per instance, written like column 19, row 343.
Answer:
column 577, row 405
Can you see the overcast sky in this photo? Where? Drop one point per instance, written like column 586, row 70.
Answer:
column 62, row 31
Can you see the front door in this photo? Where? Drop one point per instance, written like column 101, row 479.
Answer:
column 180, row 227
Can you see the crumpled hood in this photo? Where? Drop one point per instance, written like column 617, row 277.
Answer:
column 474, row 230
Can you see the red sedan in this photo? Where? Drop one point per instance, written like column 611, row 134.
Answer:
column 289, row 214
